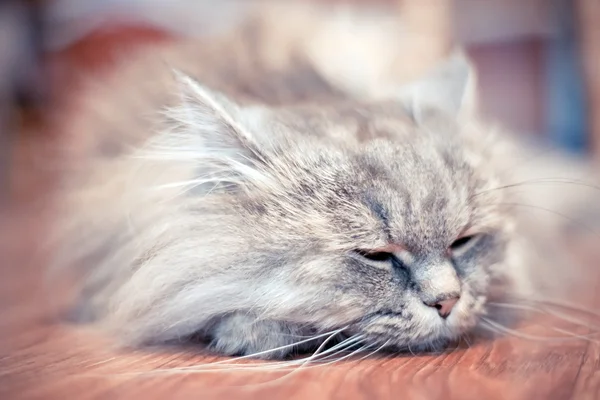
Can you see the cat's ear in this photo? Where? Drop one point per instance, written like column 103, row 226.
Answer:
column 213, row 117
column 450, row 87
column 215, row 133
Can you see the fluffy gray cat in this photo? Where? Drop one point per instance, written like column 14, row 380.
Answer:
column 249, row 192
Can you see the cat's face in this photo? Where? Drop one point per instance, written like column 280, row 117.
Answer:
column 396, row 240
column 392, row 240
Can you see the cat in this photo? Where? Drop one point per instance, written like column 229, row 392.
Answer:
column 248, row 190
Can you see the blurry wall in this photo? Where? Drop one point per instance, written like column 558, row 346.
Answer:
column 525, row 50
column 530, row 65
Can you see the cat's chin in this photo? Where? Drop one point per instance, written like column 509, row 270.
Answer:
column 435, row 334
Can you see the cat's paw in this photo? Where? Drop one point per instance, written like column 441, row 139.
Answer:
column 244, row 335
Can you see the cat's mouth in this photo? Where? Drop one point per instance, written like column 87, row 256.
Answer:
column 415, row 330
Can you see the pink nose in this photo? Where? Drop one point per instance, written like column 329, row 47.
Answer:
column 444, row 307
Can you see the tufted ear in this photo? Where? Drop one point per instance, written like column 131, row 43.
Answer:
column 214, row 133
column 450, row 87
column 219, row 122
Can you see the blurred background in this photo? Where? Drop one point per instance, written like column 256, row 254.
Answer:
column 538, row 60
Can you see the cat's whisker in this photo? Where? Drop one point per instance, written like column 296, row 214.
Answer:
column 316, row 360
column 541, row 181
column 376, row 350
column 547, row 311
column 561, row 304
column 465, row 337
column 254, row 355
column 544, row 310
column 577, row 335
column 559, row 214
column 234, row 365
column 551, row 306
column 322, row 346
column 188, row 183
column 573, row 320
column 296, row 370
column 518, row 307
column 337, row 360
column 410, row 350
column 275, row 366
column 499, row 328
column 318, row 354
column 338, row 348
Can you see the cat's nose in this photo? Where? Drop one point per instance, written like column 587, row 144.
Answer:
column 444, row 307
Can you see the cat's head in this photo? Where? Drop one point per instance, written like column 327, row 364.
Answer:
column 375, row 217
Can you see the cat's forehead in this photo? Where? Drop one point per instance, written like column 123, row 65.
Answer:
column 382, row 147
column 414, row 180
column 419, row 185
column 384, row 191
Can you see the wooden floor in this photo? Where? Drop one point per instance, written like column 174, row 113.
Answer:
column 61, row 363
column 43, row 359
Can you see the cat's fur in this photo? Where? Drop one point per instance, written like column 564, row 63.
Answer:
column 222, row 188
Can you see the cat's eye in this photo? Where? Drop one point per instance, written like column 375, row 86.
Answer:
column 376, row 256
column 462, row 243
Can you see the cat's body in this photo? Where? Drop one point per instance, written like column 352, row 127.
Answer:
column 311, row 199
